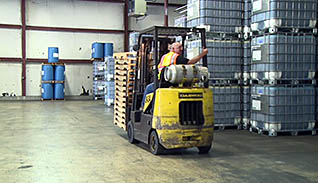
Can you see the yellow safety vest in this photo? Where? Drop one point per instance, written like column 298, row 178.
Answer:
column 167, row 60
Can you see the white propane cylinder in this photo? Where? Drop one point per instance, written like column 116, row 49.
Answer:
column 176, row 74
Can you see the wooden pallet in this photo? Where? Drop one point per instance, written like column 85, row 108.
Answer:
column 125, row 62
column 120, row 78
column 125, row 72
column 125, row 67
column 119, row 108
column 120, row 103
column 59, row 81
column 97, row 59
column 120, row 114
column 120, row 122
column 52, row 82
column 123, row 94
column 42, row 99
column 123, row 100
column 124, row 83
column 123, row 78
column 47, row 81
column 125, row 55
column 59, row 64
column 129, row 73
column 121, row 73
column 46, row 63
column 124, row 89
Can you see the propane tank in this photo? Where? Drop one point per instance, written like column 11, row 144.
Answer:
column 177, row 74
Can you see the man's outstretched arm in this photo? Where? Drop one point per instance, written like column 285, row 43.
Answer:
column 198, row 58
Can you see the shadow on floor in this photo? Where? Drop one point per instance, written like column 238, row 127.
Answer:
column 191, row 153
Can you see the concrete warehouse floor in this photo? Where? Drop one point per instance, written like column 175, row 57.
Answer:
column 76, row 141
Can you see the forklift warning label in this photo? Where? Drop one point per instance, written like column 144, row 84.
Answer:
column 190, row 95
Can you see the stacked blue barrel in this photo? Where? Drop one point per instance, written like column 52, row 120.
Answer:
column 103, row 72
column 53, row 76
column 283, row 67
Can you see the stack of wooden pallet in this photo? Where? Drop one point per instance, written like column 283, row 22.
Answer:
column 125, row 64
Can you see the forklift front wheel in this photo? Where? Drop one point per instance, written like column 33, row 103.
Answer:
column 130, row 133
column 204, row 150
column 155, row 146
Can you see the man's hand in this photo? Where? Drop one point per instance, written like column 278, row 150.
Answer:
column 205, row 51
column 197, row 58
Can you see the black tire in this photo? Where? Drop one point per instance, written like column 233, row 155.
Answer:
column 131, row 133
column 204, row 150
column 154, row 144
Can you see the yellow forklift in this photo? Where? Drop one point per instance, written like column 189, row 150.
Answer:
column 179, row 114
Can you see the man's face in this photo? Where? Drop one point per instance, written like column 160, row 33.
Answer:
column 178, row 48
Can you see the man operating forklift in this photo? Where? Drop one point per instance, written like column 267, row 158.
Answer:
column 177, row 109
column 174, row 57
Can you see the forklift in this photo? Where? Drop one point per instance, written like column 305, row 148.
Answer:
column 179, row 113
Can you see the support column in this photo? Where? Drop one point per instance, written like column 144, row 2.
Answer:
column 166, row 21
column 126, row 27
column 23, row 36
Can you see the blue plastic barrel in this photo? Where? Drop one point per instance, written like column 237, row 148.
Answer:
column 47, row 72
column 59, row 72
column 97, row 50
column 47, row 91
column 53, row 55
column 59, row 91
column 108, row 49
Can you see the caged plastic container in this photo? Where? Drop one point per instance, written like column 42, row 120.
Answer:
column 247, row 13
column 273, row 14
column 246, row 106
column 224, row 57
column 218, row 15
column 180, row 21
column 227, row 105
column 109, row 68
column 133, row 40
column 98, row 68
column 279, row 109
column 283, row 56
column 109, row 92
column 247, row 56
column 246, row 102
column 98, row 88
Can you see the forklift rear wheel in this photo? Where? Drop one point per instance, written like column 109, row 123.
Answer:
column 204, row 150
column 130, row 133
column 155, row 146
